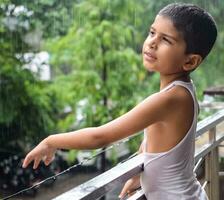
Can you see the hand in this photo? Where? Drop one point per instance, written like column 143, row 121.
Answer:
column 41, row 152
column 130, row 186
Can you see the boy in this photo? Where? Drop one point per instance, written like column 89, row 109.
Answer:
column 180, row 38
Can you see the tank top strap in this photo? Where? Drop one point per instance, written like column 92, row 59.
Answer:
column 190, row 87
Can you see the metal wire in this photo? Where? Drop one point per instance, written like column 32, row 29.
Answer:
column 72, row 167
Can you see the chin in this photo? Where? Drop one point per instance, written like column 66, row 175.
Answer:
column 149, row 68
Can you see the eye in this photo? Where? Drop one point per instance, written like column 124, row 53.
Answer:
column 167, row 40
column 151, row 33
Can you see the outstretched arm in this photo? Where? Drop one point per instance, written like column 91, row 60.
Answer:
column 144, row 114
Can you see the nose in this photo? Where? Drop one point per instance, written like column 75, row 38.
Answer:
column 152, row 42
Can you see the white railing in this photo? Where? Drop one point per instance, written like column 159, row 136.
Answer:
column 207, row 153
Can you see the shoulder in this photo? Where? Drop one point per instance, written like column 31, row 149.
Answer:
column 177, row 98
column 179, row 94
column 176, row 94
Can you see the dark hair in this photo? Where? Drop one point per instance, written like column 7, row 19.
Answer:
column 197, row 26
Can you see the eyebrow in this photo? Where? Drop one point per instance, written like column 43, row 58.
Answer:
column 170, row 36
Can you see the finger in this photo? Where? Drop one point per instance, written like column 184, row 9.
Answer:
column 36, row 163
column 125, row 190
column 130, row 193
column 122, row 194
column 28, row 159
column 48, row 159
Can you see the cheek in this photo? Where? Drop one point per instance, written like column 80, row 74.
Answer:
column 146, row 42
column 144, row 46
column 175, row 55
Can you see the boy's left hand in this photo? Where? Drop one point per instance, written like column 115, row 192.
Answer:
column 41, row 152
column 130, row 186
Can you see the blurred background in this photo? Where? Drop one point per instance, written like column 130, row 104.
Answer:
column 70, row 64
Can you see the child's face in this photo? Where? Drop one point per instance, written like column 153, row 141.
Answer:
column 164, row 48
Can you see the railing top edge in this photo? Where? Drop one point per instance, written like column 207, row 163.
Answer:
column 119, row 173
column 207, row 148
column 209, row 122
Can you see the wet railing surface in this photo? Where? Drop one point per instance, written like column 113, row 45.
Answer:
column 207, row 153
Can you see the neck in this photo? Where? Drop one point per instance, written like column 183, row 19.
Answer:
column 167, row 79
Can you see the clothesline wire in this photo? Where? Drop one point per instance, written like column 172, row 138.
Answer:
column 73, row 167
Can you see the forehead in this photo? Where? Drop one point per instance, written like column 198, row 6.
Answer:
column 164, row 25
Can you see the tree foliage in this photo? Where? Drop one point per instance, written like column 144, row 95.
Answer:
column 102, row 43
column 27, row 113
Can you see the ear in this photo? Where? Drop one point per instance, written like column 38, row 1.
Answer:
column 192, row 62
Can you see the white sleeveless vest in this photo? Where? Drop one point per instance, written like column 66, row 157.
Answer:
column 169, row 175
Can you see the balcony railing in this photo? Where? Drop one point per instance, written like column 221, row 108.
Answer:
column 209, row 136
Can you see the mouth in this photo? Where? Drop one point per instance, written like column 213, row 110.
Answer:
column 149, row 56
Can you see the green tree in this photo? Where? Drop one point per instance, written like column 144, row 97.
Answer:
column 27, row 113
column 51, row 17
column 99, row 57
